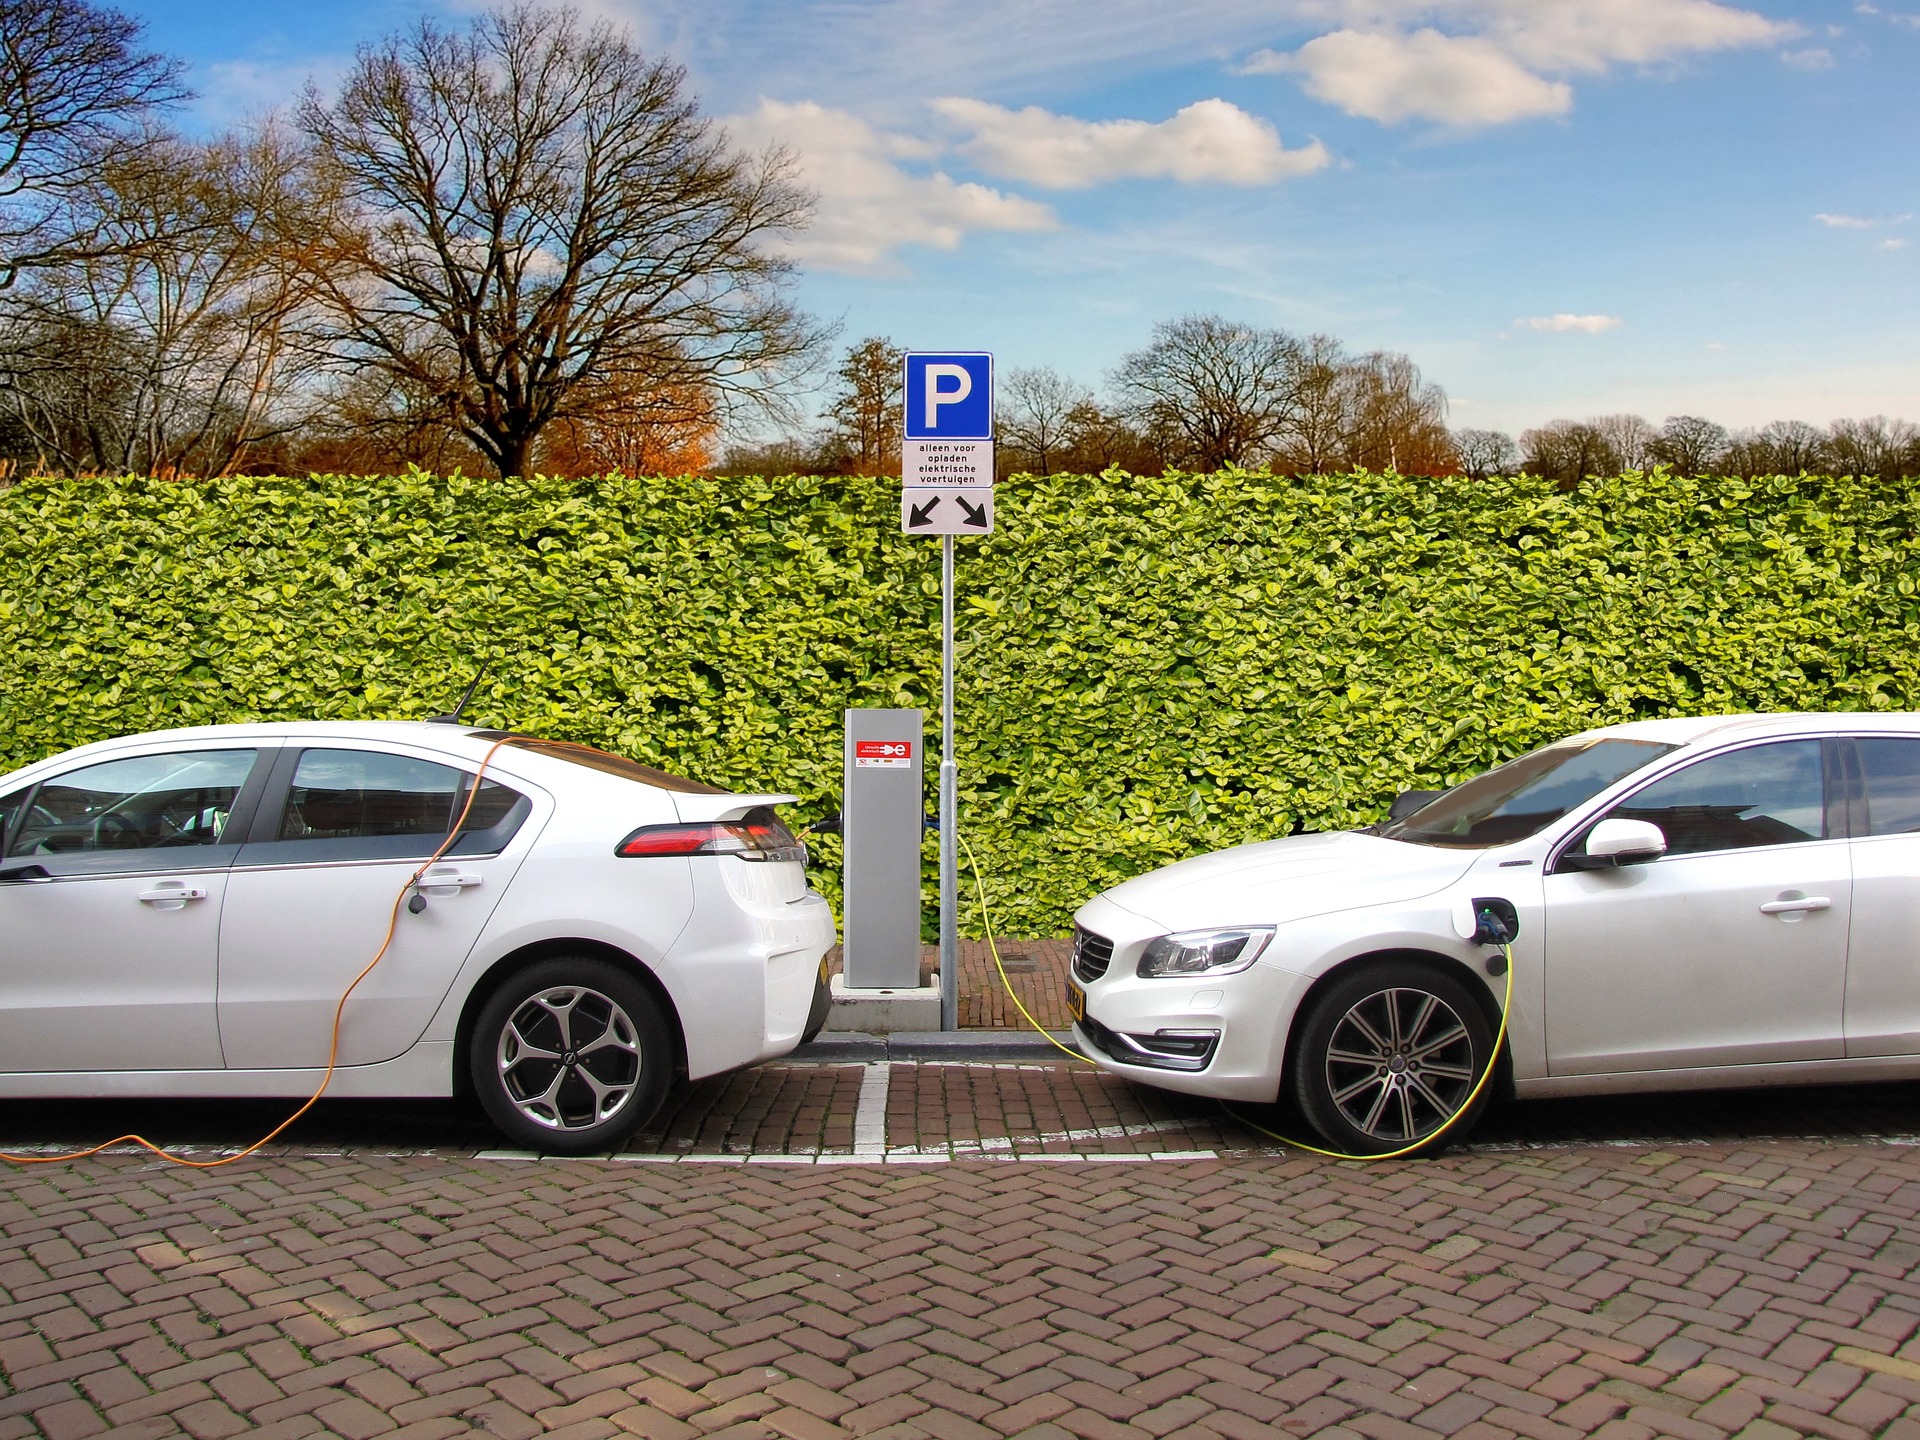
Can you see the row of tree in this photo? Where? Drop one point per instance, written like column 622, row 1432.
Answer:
column 1206, row 393
column 520, row 244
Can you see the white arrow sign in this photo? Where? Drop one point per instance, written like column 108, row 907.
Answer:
column 947, row 510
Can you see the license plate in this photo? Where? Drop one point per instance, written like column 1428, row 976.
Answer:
column 1076, row 1001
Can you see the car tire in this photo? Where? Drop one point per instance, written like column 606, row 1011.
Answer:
column 818, row 1011
column 1386, row 1057
column 571, row 1056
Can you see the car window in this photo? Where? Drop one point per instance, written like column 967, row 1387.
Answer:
column 9, row 812
column 1524, row 796
column 1765, row 795
column 363, row 794
column 144, row 802
column 1893, row 784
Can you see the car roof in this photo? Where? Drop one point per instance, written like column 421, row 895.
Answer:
column 1713, row 729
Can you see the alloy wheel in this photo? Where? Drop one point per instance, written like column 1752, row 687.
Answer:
column 1399, row 1064
column 569, row 1058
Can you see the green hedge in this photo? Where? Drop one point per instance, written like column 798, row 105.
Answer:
column 1150, row 666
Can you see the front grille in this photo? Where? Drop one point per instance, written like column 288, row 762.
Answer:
column 1091, row 955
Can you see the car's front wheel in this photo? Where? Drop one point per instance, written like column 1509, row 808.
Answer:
column 571, row 1056
column 1389, row 1057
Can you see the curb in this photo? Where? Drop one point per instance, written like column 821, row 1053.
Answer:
column 959, row 1046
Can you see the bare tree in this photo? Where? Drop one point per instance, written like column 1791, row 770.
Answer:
column 1486, row 452
column 1629, row 439
column 1396, row 420
column 533, row 205
column 164, row 347
column 1690, row 445
column 1226, row 393
column 865, row 410
column 74, row 83
column 1099, row 439
column 1317, row 438
column 1035, row 426
column 1793, row 446
column 1876, row 445
column 1568, row 451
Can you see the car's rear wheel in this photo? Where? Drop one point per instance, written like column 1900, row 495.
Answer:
column 1388, row 1058
column 571, row 1056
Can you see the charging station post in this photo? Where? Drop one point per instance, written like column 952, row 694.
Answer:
column 946, row 489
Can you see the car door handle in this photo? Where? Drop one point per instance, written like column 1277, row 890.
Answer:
column 174, row 892
column 457, row 880
column 1789, row 907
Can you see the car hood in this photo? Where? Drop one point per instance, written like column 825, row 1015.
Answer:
column 1275, row 881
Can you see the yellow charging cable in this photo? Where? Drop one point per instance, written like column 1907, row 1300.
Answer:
column 986, row 923
column 1499, row 1039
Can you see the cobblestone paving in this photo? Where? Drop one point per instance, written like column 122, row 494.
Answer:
column 1698, row 1266
column 1755, row 1290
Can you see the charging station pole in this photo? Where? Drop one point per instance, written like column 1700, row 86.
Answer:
column 949, row 808
column 946, row 489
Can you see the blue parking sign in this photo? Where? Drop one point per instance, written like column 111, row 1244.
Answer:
column 949, row 396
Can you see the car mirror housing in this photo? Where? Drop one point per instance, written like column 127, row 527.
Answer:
column 1620, row 842
column 1408, row 801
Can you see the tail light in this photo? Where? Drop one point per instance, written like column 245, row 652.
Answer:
column 757, row 837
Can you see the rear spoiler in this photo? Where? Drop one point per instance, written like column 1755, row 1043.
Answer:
column 726, row 807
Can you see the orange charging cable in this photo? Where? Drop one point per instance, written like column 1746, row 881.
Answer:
column 333, row 1046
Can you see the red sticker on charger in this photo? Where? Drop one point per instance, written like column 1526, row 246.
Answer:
column 887, row 754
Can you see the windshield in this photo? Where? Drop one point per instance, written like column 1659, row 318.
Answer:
column 1524, row 796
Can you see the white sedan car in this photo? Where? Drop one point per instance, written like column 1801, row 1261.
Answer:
column 180, row 913
column 1700, row 903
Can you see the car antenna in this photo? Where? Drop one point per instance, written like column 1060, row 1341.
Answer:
column 452, row 717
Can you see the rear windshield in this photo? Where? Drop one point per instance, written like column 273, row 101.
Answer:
column 1524, row 796
column 603, row 761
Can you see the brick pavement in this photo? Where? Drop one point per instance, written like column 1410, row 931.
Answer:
column 1757, row 1289
column 1036, row 968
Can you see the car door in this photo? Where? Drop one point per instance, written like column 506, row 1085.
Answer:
column 318, row 883
column 1883, row 961
column 1731, row 949
column 110, row 892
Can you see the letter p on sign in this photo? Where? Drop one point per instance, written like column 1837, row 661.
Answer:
column 949, row 396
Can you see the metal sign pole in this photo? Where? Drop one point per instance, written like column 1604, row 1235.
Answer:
column 946, row 489
column 949, row 808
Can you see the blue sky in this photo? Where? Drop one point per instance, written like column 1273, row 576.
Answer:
column 1556, row 207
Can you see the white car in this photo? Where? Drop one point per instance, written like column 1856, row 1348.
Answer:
column 1700, row 903
column 180, row 913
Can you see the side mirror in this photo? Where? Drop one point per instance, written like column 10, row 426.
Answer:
column 1408, row 801
column 1622, row 842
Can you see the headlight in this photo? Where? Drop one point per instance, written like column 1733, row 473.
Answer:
column 1203, row 952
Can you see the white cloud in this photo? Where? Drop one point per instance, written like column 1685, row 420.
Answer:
column 1562, row 323
column 868, row 205
column 1463, row 81
column 1210, row 141
column 1897, row 243
column 1489, row 62
column 1817, row 58
column 1860, row 222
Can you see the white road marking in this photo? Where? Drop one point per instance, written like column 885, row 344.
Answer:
column 870, row 1115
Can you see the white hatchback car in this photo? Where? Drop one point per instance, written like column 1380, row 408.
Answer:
column 181, row 911
column 1700, row 903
